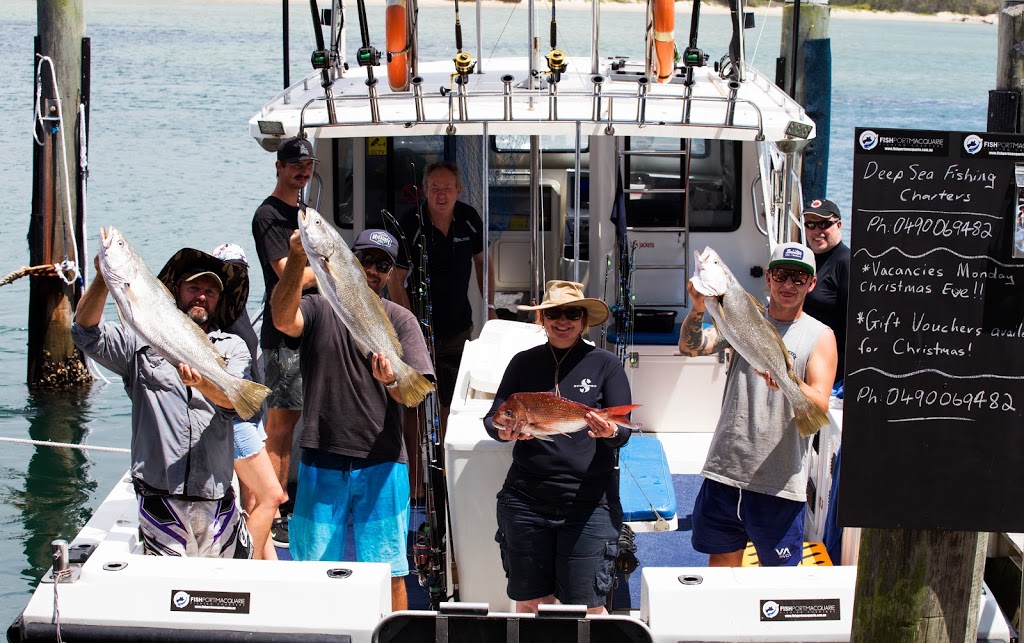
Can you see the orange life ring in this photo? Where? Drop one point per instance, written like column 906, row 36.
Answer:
column 396, row 26
column 664, row 38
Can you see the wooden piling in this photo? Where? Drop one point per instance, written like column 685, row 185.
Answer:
column 53, row 360
column 1009, row 67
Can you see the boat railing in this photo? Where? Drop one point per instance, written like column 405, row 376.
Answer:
column 454, row 107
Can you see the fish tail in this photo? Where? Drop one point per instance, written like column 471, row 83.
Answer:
column 247, row 398
column 620, row 415
column 809, row 417
column 412, row 388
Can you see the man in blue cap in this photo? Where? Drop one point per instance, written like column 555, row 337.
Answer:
column 354, row 463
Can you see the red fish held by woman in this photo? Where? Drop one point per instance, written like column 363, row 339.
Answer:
column 542, row 415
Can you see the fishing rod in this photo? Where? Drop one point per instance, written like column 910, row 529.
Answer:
column 464, row 62
column 367, row 55
column 321, row 59
column 556, row 57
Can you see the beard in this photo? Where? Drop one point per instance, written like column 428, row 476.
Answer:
column 198, row 314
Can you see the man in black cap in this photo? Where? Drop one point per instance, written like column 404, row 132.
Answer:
column 354, row 463
column 827, row 302
column 181, row 430
column 272, row 226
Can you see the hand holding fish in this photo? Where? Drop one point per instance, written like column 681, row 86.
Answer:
column 193, row 378
column 382, row 371
column 772, row 384
column 696, row 299
column 295, row 245
column 599, row 427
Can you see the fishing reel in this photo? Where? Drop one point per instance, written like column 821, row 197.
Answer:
column 368, row 57
column 556, row 64
column 464, row 63
column 694, row 57
column 320, row 59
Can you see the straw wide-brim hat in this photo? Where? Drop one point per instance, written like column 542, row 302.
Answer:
column 234, row 276
column 570, row 293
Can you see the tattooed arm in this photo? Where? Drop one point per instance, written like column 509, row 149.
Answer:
column 694, row 339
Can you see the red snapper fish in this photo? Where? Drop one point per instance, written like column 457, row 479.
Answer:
column 547, row 414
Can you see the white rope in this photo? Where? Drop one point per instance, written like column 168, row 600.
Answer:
column 65, row 445
column 764, row 22
column 57, row 578
column 39, row 125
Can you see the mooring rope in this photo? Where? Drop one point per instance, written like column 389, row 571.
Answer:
column 64, row 445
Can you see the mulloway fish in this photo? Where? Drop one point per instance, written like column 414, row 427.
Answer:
column 739, row 317
column 148, row 308
column 547, row 414
column 340, row 278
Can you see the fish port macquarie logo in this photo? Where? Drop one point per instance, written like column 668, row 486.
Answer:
column 973, row 144
column 181, row 599
column 868, row 140
column 381, row 239
column 770, row 609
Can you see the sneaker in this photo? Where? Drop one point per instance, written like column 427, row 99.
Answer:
column 279, row 532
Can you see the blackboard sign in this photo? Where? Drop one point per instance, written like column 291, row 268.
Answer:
column 933, row 424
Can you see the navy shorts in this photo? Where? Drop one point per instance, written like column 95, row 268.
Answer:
column 725, row 518
column 566, row 551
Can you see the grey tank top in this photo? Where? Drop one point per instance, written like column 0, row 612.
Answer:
column 756, row 445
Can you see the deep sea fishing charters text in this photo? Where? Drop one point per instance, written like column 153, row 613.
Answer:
column 915, row 174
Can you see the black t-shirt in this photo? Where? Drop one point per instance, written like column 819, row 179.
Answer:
column 345, row 411
column 272, row 226
column 449, row 264
column 827, row 302
column 573, row 468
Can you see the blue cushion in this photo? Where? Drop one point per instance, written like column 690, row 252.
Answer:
column 648, row 339
column 645, row 482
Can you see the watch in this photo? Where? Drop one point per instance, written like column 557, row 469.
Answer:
column 392, row 385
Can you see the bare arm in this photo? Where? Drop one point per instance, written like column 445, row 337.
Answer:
column 694, row 339
column 287, row 295
column 478, row 261
column 396, row 288
column 90, row 307
column 308, row 278
column 821, row 370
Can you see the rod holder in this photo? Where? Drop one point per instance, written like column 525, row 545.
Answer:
column 371, row 90
column 59, row 550
column 553, row 101
column 460, row 83
column 598, row 82
column 417, row 94
column 506, row 93
column 642, row 85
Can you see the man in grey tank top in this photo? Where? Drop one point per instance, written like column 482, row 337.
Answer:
column 755, row 475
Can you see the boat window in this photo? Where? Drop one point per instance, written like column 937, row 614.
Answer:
column 548, row 143
column 659, row 198
column 394, row 173
column 510, row 206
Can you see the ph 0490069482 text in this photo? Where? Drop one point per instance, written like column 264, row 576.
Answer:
column 933, row 436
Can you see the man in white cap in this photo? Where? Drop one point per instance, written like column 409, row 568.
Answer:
column 755, row 475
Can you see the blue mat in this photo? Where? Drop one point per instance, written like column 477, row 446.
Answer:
column 645, row 482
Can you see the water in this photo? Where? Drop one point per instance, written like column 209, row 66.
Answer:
column 172, row 165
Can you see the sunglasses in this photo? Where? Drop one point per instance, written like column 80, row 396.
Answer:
column 820, row 225
column 572, row 314
column 367, row 259
column 798, row 277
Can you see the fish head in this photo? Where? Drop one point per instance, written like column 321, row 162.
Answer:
column 319, row 239
column 711, row 277
column 119, row 263
column 509, row 413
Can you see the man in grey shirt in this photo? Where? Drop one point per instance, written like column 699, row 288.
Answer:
column 182, row 443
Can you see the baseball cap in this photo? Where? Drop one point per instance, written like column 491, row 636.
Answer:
column 821, row 208
column 204, row 273
column 793, row 254
column 232, row 253
column 379, row 240
column 295, row 149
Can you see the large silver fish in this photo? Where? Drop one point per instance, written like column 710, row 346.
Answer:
column 340, row 278
column 739, row 317
column 147, row 307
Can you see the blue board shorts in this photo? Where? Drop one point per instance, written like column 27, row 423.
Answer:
column 334, row 489
column 249, row 438
column 725, row 518
column 283, row 378
column 566, row 551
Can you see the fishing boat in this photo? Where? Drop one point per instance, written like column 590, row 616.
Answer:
column 605, row 170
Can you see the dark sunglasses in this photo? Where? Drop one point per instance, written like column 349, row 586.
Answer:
column 820, row 225
column 572, row 314
column 367, row 259
column 798, row 277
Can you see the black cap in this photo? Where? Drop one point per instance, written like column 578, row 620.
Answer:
column 379, row 240
column 295, row 149
column 822, row 208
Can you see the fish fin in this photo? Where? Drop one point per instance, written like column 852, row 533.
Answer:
column 413, row 388
column 247, row 398
column 619, row 415
column 757, row 302
column 810, row 418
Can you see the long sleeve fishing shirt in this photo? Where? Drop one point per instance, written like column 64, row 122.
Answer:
column 182, row 444
column 573, row 468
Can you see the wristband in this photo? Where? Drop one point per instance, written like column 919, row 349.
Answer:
column 492, row 306
column 392, row 385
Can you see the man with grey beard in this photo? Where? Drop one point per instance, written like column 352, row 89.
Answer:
column 182, row 435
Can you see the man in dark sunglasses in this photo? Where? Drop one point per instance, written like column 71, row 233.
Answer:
column 827, row 302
